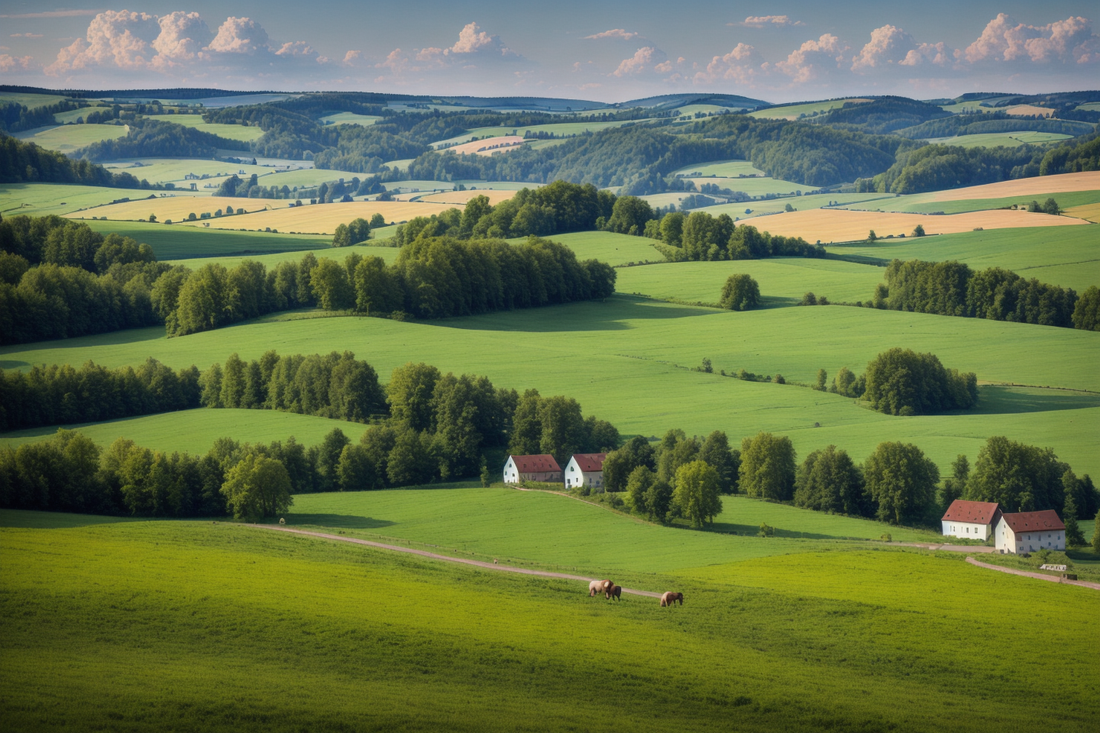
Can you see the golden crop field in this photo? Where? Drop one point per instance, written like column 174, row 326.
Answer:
column 459, row 198
column 324, row 218
column 838, row 225
column 176, row 208
column 1090, row 212
column 1028, row 110
column 1089, row 181
column 502, row 144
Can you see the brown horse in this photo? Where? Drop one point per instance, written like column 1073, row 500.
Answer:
column 667, row 599
column 599, row 586
column 613, row 592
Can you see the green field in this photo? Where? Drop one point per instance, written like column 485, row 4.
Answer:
column 179, row 242
column 639, row 356
column 323, row 249
column 70, row 138
column 244, row 133
column 558, row 129
column 306, row 177
column 925, row 203
column 614, row 249
column 201, row 626
column 721, row 168
column 32, row 100
column 349, row 118
column 176, row 170
column 758, row 186
column 800, row 203
column 783, row 281
column 795, row 110
column 690, row 109
column 195, row 431
column 40, row 199
column 1002, row 139
column 1068, row 256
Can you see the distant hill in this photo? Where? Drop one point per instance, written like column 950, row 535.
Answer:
column 672, row 101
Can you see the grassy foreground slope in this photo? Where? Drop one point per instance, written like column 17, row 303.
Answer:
column 200, row 626
column 632, row 361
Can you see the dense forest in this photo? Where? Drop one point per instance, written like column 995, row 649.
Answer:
column 22, row 162
column 157, row 139
column 976, row 124
column 882, row 115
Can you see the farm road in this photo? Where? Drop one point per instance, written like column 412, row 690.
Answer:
column 1026, row 574
column 434, row 556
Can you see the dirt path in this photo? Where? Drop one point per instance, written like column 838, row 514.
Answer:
column 1040, row 576
column 947, row 548
column 434, row 556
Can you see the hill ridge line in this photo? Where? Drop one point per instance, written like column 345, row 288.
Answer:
column 435, row 556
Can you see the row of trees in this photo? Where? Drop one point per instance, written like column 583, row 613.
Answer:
column 154, row 138
column 953, row 289
column 921, row 168
column 25, row 162
column 57, row 241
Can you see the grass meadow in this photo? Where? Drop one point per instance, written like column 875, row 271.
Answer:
column 175, row 170
column 1000, row 139
column 69, row 138
column 560, row 129
column 1066, row 256
column 793, row 111
column 608, row 355
column 31, row 100
column 389, row 254
column 720, row 169
column 195, row 431
column 614, row 249
column 42, row 199
column 349, row 118
column 214, row 626
column 178, row 243
column 755, row 186
column 244, row 133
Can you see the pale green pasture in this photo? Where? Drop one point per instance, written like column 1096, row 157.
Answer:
column 614, row 249
column 925, row 203
column 794, row 110
column 960, row 107
column 690, row 109
column 399, row 165
column 179, row 242
column 32, row 100
column 783, row 281
column 40, row 199
column 306, row 177
column 244, row 133
column 175, row 170
column 426, row 186
column 722, row 168
column 1090, row 106
column 999, row 139
column 349, row 118
column 1066, row 256
column 68, row 138
column 800, row 203
column 559, row 129
column 632, row 361
column 70, row 117
column 270, row 261
column 195, row 431
column 757, row 186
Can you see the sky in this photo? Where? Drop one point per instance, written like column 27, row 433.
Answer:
column 604, row 51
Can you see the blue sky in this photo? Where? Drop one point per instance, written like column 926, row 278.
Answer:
column 607, row 51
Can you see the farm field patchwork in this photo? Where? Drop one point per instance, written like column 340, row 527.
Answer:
column 178, row 243
column 1086, row 181
column 488, row 146
column 720, row 168
column 42, row 199
column 177, row 206
column 305, row 176
column 229, row 628
column 794, row 111
column 922, row 203
column 842, row 225
column 195, row 431
column 754, row 186
column 635, row 347
column 176, row 170
column 761, row 207
column 1086, row 211
column 461, row 198
column 558, row 129
column 31, row 100
column 324, row 218
column 69, row 138
column 999, row 139
column 1069, row 257
column 244, row 133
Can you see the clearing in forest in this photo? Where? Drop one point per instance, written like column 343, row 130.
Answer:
column 502, row 144
column 460, row 198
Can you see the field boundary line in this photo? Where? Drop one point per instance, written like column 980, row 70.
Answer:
column 435, row 556
column 1040, row 576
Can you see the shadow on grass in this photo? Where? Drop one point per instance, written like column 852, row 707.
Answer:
column 12, row 364
column 1005, row 400
column 611, row 314
column 754, row 529
column 340, row 521
column 27, row 519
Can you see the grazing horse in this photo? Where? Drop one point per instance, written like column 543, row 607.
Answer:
column 614, row 592
column 667, row 599
column 599, row 586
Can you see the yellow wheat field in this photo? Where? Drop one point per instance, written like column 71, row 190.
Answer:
column 1028, row 110
column 175, row 208
column 459, row 198
column 488, row 146
column 1061, row 183
column 1087, row 211
column 838, row 225
column 324, row 218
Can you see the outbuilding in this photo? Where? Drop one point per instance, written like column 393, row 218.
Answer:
column 1030, row 532
column 972, row 520
column 542, row 468
column 586, row 469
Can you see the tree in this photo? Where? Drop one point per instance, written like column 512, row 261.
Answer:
column 696, row 492
column 716, row 451
column 955, row 487
column 768, row 466
column 562, row 427
column 1050, row 206
column 822, row 380
column 257, row 487
column 1086, row 313
column 903, row 382
column 1019, row 477
column 1096, row 535
column 637, row 484
column 829, row 481
column 352, row 233
column 1074, row 537
column 901, row 481
column 331, row 286
column 871, row 236
column 918, row 231
column 410, row 394
column 356, row 471
column 740, row 293
column 620, row 464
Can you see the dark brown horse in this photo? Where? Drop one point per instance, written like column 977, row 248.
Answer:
column 615, row 592
column 667, row 599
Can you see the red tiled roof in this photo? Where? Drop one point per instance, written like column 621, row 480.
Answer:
column 536, row 464
column 1046, row 520
column 974, row 512
column 590, row 462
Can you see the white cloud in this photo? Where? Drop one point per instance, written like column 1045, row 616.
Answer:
column 26, row 35
column 1067, row 41
column 617, row 33
column 182, row 37
column 645, row 59
column 814, row 59
column 742, row 65
column 10, row 63
column 763, row 21
column 239, row 35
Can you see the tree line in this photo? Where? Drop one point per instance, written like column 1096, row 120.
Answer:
column 156, row 138
column 25, row 162
column 15, row 117
column 991, row 122
column 953, row 289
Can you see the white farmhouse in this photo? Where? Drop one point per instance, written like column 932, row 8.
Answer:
column 972, row 520
column 531, row 468
column 585, row 468
column 1030, row 532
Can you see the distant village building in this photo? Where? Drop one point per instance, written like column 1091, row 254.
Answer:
column 585, row 468
column 541, row 468
column 191, row 177
column 1030, row 532
column 972, row 520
